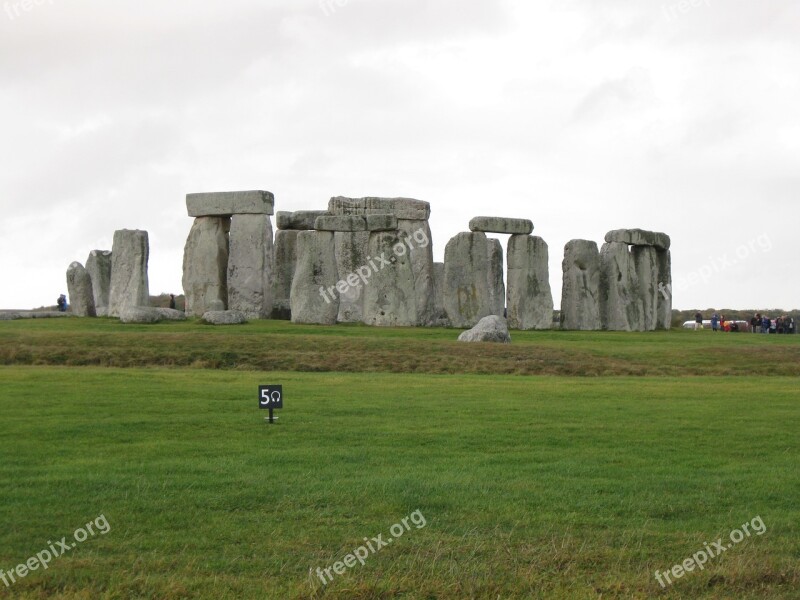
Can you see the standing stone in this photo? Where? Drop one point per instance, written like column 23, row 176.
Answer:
column 314, row 298
column 205, row 265
column 497, row 287
column 621, row 307
column 466, row 273
column 351, row 255
column 98, row 265
column 580, row 295
column 530, row 300
column 416, row 235
column 389, row 297
column 250, row 266
column 284, row 266
column 79, row 287
column 664, row 307
column 129, row 284
column 440, row 316
column 645, row 262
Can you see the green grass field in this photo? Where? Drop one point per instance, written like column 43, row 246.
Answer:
column 568, row 465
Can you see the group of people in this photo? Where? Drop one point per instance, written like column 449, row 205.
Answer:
column 758, row 324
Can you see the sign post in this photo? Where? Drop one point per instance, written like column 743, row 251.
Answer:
column 270, row 397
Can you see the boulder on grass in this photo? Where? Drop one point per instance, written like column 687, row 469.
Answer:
column 488, row 329
column 139, row 314
column 224, row 317
column 170, row 314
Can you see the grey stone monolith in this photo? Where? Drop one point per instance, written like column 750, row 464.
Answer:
column 129, row 284
column 314, row 298
column 496, row 283
column 501, row 225
column 225, row 204
column 205, row 265
column 580, row 292
column 98, row 265
column 224, row 317
column 79, row 287
column 140, row 315
column 250, row 259
column 664, row 307
column 529, row 297
column 351, row 256
column 389, row 294
column 645, row 262
column 284, row 266
column 466, row 273
column 621, row 307
column 416, row 236
column 439, row 314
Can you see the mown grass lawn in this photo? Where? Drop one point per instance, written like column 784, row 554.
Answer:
column 531, row 487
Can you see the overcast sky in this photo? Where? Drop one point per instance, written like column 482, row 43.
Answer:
column 580, row 115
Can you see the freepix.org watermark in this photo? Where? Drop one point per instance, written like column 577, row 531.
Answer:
column 362, row 274
column 15, row 9
column 43, row 558
column 371, row 546
column 699, row 559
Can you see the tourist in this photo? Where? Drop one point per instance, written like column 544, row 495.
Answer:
column 62, row 303
column 172, row 301
column 765, row 324
column 791, row 325
column 698, row 321
column 714, row 322
column 755, row 324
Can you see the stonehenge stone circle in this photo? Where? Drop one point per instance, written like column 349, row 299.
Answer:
column 530, row 299
column 283, row 272
column 301, row 220
column 639, row 237
column 495, row 282
column 501, row 225
column 225, row 204
column 389, row 294
column 79, row 287
column 250, row 258
column 314, row 297
column 466, row 276
column 205, row 265
column 98, row 265
column 580, row 294
column 129, row 283
column 489, row 329
column 621, row 304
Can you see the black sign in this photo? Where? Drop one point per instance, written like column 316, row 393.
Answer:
column 270, row 396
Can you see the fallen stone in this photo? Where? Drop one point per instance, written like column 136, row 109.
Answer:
column 225, row 204
column 580, row 294
column 140, row 315
column 466, row 273
column 170, row 314
column 389, row 293
column 489, row 329
column 79, row 287
column 340, row 223
column 98, row 265
column 620, row 301
column 529, row 297
column 205, row 265
column 639, row 237
column 284, row 263
column 501, row 225
column 314, row 298
column 129, row 284
column 224, row 317
column 381, row 223
column 301, row 220
column 402, row 208
column 250, row 259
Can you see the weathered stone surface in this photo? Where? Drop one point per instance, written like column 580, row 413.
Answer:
column 170, row 314
column 205, row 265
column 250, row 266
column 314, row 298
column 224, row 317
column 129, row 284
column 381, row 223
column 81, row 296
column 496, row 283
column 139, row 314
column 98, row 265
column 389, row 293
column 645, row 262
column 225, row 204
column 416, row 236
column 664, row 307
column 284, row 265
column 488, row 329
column 351, row 258
column 639, row 237
column 530, row 299
column 301, row 220
column 501, row 225
column 580, row 294
column 341, row 223
column 466, row 273
column 402, row 208
column 621, row 306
